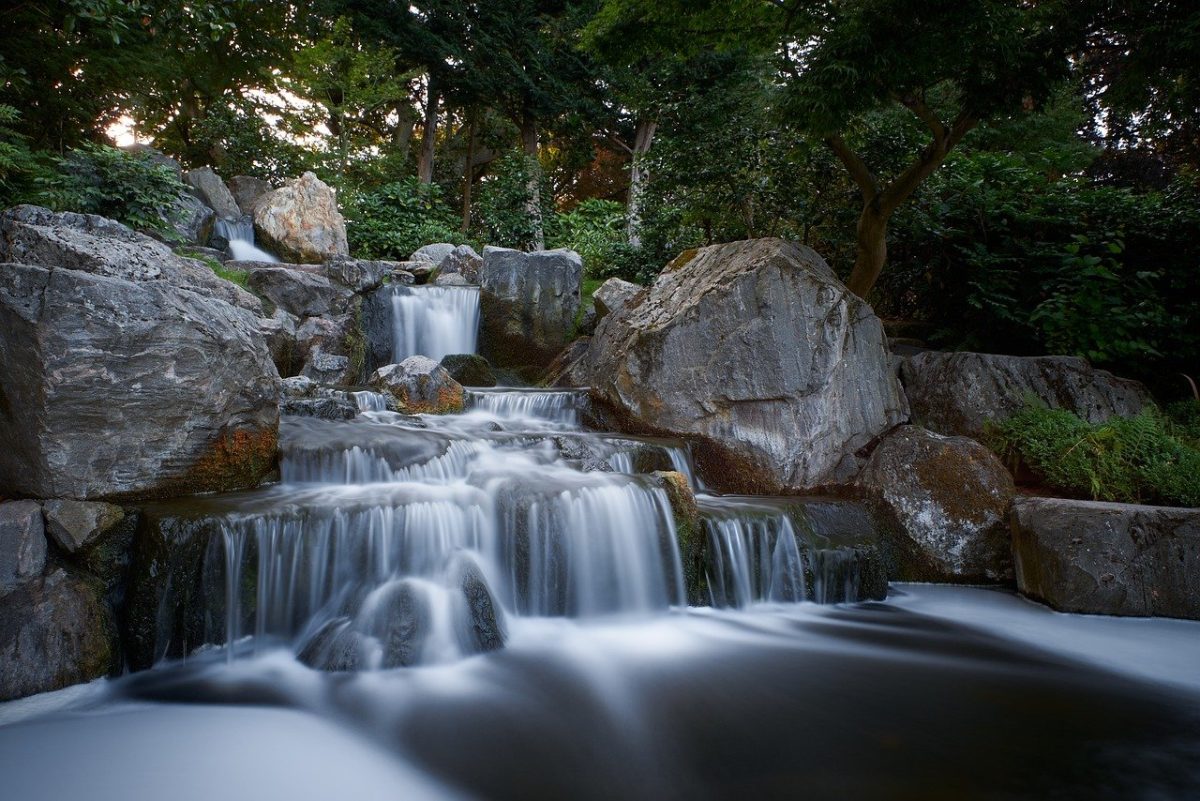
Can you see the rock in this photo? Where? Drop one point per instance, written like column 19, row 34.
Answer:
column 119, row 388
column 360, row 275
column 401, row 622
column 469, row 369
column 403, row 276
column 419, row 385
column 209, row 187
column 950, row 497
column 300, row 222
column 421, row 271
column 571, row 367
column 464, row 261
column 201, row 253
column 758, row 351
column 91, row 244
column 587, row 322
column 1108, row 558
column 192, row 220
column 22, row 544
column 433, row 254
column 692, row 542
column 612, row 295
column 329, row 368
column 247, row 191
column 279, row 332
column 485, row 619
column 326, row 408
column 956, row 393
column 528, row 305
column 298, row 292
column 298, row 387
column 450, row 279
column 335, row 647
column 53, row 633
column 156, row 157
column 75, row 525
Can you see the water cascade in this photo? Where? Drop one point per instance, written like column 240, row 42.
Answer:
column 433, row 321
column 240, row 235
column 557, row 406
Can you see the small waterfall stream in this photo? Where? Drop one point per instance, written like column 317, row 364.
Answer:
column 240, row 235
column 433, row 321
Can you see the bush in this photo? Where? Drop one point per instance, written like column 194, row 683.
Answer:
column 595, row 229
column 127, row 187
column 501, row 213
column 19, row 166
column 395, row 219
column 1131, row 459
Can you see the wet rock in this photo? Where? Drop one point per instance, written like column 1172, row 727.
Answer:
column 433, row 254
column 612, row 295
column 300, row 222
column 360, row 275
column 421, row 271
column 329, row 368
column 128, row 388
column 22, row 544
column 75, row 525
column 103, row 247
column 298, row 387
column 401, row 622
column 401, row 276
column 209, row 187
column 485, row 620
column 469, row 369
column 279, row 332
column 1108, row 558
column 247, row 191
column 54, row 632
column 299, row 292
column 582, row 451
column 571, row 367
column 419, row 385
column 326, row 408
column 692, row 543
column 847, row 575
column 956, row 393
column 951, row 497
column 528, row 305
column 462, row 261
column 334, row 647
column 758, row 351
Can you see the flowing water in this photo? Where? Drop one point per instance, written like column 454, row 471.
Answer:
column 433, row 321
column 240, row 235
column 502, row 604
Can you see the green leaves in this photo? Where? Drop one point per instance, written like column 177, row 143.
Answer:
column 393, row 220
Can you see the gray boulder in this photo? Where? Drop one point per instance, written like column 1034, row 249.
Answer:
column 127, row 388
column 419, row 385
column 298, row 292
column 53, row 633
column 329, row 368
column 956, row 393
column 22, row 544
column 279, row 332
column 757, row 351
column 950, row 497
column 469, row 369
column 612, row 295
column 450, row 279
column 571, row 367
column 192, row 220
column 209, row 187
column 1108, row 558
column 433, row 254
column 484, row 629
column 247, row 191
column 75, row 525
column 528, row 305
column 300, row 222
column 360, row 275
column 464, row 261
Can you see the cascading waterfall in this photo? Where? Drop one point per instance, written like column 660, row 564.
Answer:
column 557, row 406
column 240, row 235
column 433, row 321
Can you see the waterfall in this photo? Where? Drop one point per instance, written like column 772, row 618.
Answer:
column 240, row 235
column 558, row 406
column 370, row 401
column 753, row 558
column 433, row 321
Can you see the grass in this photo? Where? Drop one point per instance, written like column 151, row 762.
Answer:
column 1143, row 459
column 238, row 277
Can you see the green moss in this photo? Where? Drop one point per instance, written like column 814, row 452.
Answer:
column 238, row 277
column 356, row 346
column 1127, row 459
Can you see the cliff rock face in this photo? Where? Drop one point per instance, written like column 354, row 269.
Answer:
column 756, row 349
column 300, row 222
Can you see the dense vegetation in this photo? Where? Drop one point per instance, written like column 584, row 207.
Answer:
column 1003, row 176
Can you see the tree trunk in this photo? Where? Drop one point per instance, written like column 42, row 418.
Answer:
column 872, row 250
column 468, row 175
column 533, row 190
column 428, row 136
column 637, row 180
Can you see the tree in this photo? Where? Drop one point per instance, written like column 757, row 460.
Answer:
column 950, row 63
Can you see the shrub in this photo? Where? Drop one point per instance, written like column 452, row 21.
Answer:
column 1130, row 459
column 393, row 220
column 501, row 213
column 19, row 166
column 127, row 187
column 596, row 230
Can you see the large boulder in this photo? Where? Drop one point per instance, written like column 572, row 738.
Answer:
column 75, row 525
column 247, row 191
column 419, row 385
column 464, row 261
column 300, row 222
column 55, row 632
column 209, row 187
column 757, row 351
column 296, row 291
column 528, row 305
column 22, row 544
column 469, row 369
column 124, row 380
column 92, row 244
column 360, row 275
column 612, row 295
column 956, row 393
column 432, row 254
column 192, row 220
column 1108, row 558
column 950, row 498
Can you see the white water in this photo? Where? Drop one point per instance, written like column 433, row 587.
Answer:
column 556, row 406
column 433, row 321
column 240, row 235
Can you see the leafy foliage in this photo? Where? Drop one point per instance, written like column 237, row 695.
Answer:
column 19, row 164
column 123, row 186
column 1134, row 459
column 502, row 214
column 392, row 221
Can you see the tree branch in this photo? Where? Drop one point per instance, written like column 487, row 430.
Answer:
column 930, row 159
column 858, row 168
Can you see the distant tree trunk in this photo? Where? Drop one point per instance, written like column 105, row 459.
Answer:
column 406, row 121
column 468, row 174
column 428, row 135
column 637, row 180
column 533, row 190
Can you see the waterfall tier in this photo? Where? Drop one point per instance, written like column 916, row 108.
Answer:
column 433, row 321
